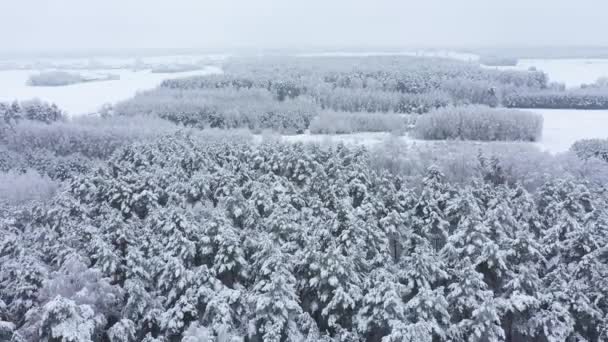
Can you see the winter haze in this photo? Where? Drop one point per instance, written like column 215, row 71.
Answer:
column 75, row 24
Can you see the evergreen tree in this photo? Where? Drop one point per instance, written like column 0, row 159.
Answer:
column 430, row 212
column 273, row 299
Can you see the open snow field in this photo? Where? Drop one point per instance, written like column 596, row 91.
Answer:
column 82, row 98
column 571, row 72
column 562, row 127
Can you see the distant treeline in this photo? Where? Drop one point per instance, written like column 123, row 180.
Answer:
column 589, row 98
column 498, row 61
column 285, row 94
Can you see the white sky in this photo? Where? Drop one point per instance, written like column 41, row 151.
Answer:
column 80, row 24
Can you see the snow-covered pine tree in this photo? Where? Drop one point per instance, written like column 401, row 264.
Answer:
column 475, row 261
column 565, row 309
column 274, row 307
column 473, row 308
column 122, row 331
column 430, row 215
column 329, row 285
column 63, row 320
column 222, row 248
column 514, row 213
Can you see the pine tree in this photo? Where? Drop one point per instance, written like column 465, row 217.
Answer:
column 222, row 248
column 521, row 281
column 382, row 305
column 330, row 286
column 566, row 310
column 430, row 212
column 423, row 272
column 122, row 331
column 475, row 263
column 474, row 310
column 475, row 239
column 273, row 299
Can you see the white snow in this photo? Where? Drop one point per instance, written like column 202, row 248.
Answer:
column 562, row 127
column 87, row 97
column 571, row 72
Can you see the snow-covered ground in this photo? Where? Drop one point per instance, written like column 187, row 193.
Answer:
column 571, row 72
column 562, row 127
column 87, row 97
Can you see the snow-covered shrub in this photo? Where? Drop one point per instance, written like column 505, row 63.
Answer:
column 344, row 123
column 122, row 331
column 64, row 78
column 54, row 79
column 521, row 163
column 255, row 109
column 588, row 148
column 17, row 188
column 92, row 137
column 85, row 285
column 64, row 320
column 600, row 83
column 479, row 123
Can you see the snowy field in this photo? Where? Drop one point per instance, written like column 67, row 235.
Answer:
column 562, row 127
column 571, row 72
column 82, row 98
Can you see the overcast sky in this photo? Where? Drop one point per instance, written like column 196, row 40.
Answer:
column 79, row 24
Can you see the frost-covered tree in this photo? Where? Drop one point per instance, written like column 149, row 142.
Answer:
column 64, row 320
column 431, row 218
column 273, row 297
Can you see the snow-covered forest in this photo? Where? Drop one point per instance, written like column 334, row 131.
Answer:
column 162, row 219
